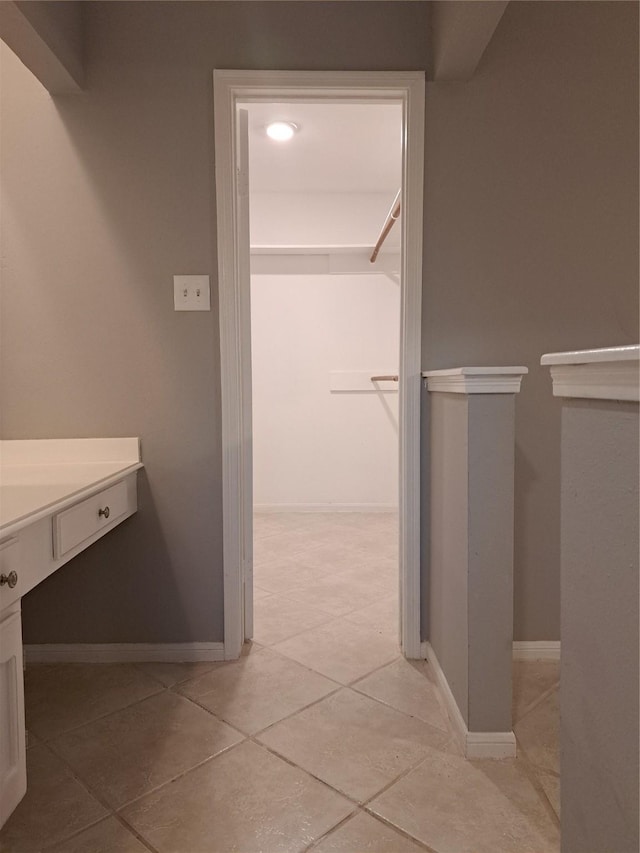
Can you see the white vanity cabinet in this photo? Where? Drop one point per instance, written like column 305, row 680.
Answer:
column 13, row 770
column 57, row 497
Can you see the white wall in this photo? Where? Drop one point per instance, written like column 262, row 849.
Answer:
column 314, row 448
column 321, row 218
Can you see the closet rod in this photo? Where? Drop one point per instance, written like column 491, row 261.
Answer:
column 392, row 216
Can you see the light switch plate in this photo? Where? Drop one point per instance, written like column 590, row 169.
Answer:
column 191, row 293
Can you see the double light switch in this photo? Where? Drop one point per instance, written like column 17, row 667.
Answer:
column 191, row 293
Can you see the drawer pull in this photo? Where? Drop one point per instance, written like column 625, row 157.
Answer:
column 106, row 512
column 11, row 579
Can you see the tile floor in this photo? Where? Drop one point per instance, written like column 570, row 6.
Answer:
column 321, row 737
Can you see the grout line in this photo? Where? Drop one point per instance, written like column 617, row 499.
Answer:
column 252, row 735
column 366, row 803
column 291, row 763
column 134, row 831
column 401, row 831
column 531, row 771
column 360, row 678
column 86, row 787
column 75, row 834
column 328, row 620
column 536, row 702
column 51, row 739
column 286, row 595
column 448, row 732
column 178, row 776
column 333, row 829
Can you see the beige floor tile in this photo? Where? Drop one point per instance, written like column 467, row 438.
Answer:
column 279, row 546
column 458, row 806
column 365, row 834
column 256, row 692
column 551, row 786
column 273, row 523
column 129, row 753
column 341, row 650
column 259, row 593
column 374, row 572
column 276, row 618
column 246, row 800
column 283, row 575
column 384, row 616
column 55, row 806
column 108, row 836
column 538, row 733
column 410, row 687
column 337, row 594
column 352, row 743
column 61, row 697
column 531, row 680
column 325, row 535
column 330, row 556
column 169, row 674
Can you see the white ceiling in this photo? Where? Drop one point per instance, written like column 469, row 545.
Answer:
column 338, row 148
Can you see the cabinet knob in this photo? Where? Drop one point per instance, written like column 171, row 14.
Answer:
column 106, row 512
column 11, row 579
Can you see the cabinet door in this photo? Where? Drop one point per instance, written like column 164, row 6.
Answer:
column 13, row 769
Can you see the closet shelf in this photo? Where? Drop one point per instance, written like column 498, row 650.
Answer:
column 309, row 249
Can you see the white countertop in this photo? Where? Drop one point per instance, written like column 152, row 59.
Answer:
column 40, row 477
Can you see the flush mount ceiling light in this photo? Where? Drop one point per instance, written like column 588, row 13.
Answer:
column 281, row 131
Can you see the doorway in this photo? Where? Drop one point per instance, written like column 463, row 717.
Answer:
column 232, row 179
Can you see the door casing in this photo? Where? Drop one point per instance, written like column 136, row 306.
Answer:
column 230, row 89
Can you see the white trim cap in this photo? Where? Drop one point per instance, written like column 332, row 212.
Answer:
column 610, row 373
column 476, row 380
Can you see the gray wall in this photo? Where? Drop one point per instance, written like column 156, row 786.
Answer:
column 531, row 235
column 60, row 25
column 449, row 501
column 105, row 196
column 531, row 203
column 49, row 38
column 599, row 740
column 471, row 558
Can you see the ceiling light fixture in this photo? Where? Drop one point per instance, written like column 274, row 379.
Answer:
column 281, row 131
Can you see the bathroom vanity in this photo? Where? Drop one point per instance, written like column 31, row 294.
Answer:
column 57, row 497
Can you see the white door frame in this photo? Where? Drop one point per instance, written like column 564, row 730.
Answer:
column 231, row 87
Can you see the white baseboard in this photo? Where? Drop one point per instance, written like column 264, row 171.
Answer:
column 536, row 650
column 325, row 508
column 490, row 745
column 474, row 744
column 123, row 652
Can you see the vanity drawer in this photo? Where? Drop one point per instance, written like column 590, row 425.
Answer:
column 11, row 579
column 87, row 518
